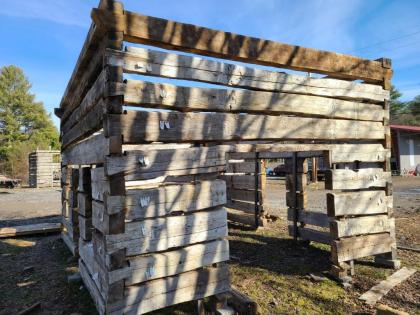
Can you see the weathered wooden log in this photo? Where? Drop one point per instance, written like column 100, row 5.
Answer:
column 190, row 38
column 143, row 61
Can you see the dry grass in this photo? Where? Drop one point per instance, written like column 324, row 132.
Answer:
column 267, row 265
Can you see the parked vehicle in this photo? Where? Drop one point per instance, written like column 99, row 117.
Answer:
column 7, row 182
column 281, row 170
column 269, row 171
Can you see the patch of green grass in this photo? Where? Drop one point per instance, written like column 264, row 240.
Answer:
column 272, row 270
column 280, row 294
column 372, row 272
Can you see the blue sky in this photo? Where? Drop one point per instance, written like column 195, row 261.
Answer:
column 44, row 37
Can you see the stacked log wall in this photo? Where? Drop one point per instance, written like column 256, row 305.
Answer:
column 149, row 154
column 44, row 169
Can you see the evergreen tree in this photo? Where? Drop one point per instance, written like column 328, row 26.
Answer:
column 412, row 111
column 24, row 123
column 404, row 113
column 396, row 106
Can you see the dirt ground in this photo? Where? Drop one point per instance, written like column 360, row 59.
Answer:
column 28, row 206
column 406, row 204
column 266, row 264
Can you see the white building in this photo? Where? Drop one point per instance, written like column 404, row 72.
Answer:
column 405, row 148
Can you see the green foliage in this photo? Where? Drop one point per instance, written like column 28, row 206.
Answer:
column 395, row 104
column 404, row 113
column 414, row 106
column 24, row 123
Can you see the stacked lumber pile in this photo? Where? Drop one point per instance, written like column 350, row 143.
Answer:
column 308, row 224
column 84, row 204
column 150, row 222
column 245, row 180
column 69, row 213
column 145, row 156
column 44, row 169
column 30, row 229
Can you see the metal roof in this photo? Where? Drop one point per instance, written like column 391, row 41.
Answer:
column 406, row 128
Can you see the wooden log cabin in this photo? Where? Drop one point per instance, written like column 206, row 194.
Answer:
column 44, row 168
column 144, row 157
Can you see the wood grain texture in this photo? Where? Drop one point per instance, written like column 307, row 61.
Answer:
column 243, row 182
column 360, row 179
column 105, row 223
column 158, row 265
column 90, row 61
column 162, row 201
column 185, row 99
column 84, row 202
column 88, row 50
column 309, row 217
column 379, row 290
column 85, row 228
column 143, row 127
column 85, row 81
column 103, row 186
column 92, row 150
column 100, row 184
column 95, row 93
column 360, row 246
column 31, row 229
column 163, row 233
column 243, row 167
column 190, row 38
column 152, row 163
column 361, row 225
column 339, row 153
column 149, row 62
column 85, row 127
column 92, row 288
column 356, row 203
column 160, row 293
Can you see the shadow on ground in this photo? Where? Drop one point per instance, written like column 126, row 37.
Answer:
column 28, row 221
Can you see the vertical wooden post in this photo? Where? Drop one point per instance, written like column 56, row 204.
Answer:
column 262, row 194
column 314, row 170
column 103, row 185
column 73, row 216
column 388, row 259
column 295, row 208
column 296, row 194
column 70, row 233
column 339, row 270
column 257, row 172
column 84, row 201
column 199, row 307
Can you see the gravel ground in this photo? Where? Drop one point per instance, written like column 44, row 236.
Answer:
column 267, row 265
column 28, row 206
column 406, row 204
column 276, row 196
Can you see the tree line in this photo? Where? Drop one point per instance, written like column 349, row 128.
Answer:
column 404, row 113
column 24, row 123
column 26, row 126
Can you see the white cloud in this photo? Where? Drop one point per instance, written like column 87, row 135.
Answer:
column 74, row 12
